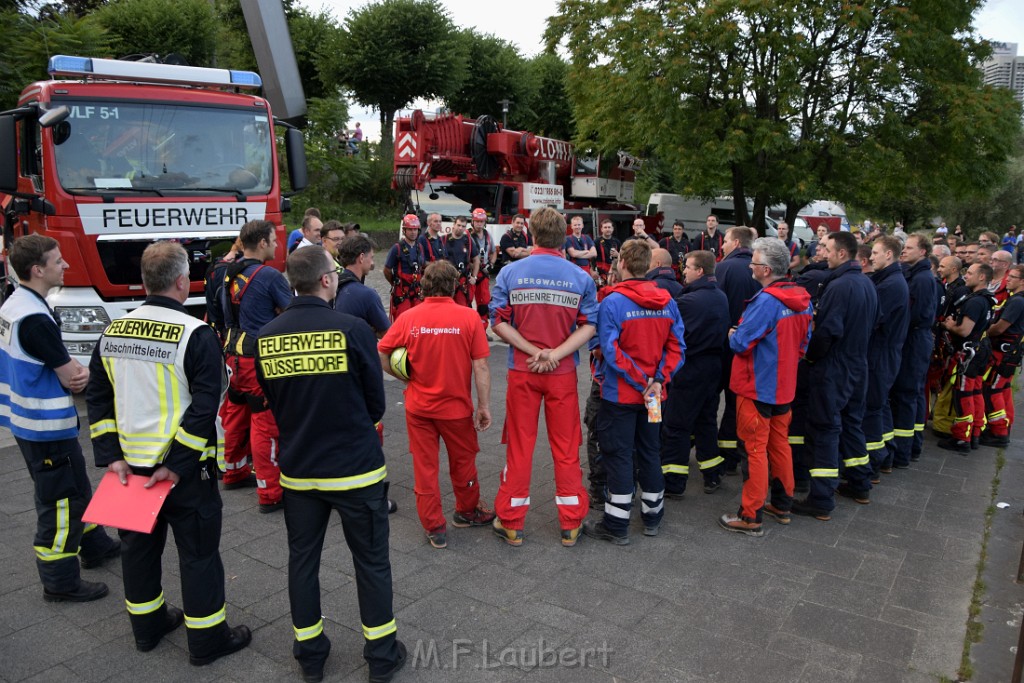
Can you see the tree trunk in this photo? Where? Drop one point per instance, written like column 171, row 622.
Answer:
column 387, row 135
column 739, row 199
column 760, row 208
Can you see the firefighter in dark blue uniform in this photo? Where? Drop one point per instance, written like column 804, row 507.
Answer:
column 907, row 396
column 886, row 346
column 691, row 411
column 735, row 279
column 811, row 278
column 458, row 248
column 315, row 364
column 838, row 382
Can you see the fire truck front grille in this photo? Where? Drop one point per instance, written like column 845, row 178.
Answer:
column 122, row 260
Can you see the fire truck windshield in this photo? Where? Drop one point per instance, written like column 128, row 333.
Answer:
column 109, row 146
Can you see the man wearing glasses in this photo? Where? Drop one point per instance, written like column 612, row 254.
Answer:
column 331, row 235
column 768, row 342
column 1006, row 334
column 315, row 364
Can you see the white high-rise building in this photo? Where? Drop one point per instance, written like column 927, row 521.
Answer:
column 1005, row 69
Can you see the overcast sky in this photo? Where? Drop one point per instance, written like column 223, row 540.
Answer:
column 524, row 22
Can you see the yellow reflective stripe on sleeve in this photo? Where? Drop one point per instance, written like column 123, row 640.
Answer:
column 728, row 444
column 825, row 473
column 856, row 462
column 875, row 445
column 339, row 484
column 101, row 427
column 717, row 460
column 919, row 427
column 190, row 440
column 796, row 441
column 145, row 607
column 997, row 415
column 379, row 631
column 903, row 433
column 965, row 418
column 675, row 469
column 309, row 632
column 89, row 527
column 888, row 436
column 206, row 622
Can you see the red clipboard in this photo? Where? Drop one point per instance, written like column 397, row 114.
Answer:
column 131, row 507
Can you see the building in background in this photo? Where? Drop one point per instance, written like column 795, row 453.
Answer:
column 1005, row 69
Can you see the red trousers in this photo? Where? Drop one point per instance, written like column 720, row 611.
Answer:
column 997, row 391
column 523, row 397
column 247, row 432
column 482, row 296
column 969, row 404
column 463, row 297
column 398, row 309
column 461, row 443
column 767, row 443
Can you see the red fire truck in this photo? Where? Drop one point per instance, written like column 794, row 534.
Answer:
column 465, row 164
column 115, row 155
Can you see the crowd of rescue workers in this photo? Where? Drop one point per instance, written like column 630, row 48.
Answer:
column 830, row 358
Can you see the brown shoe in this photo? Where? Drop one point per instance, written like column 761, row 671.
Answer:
column 479, row 517
column 780, row 516
column 740, row 525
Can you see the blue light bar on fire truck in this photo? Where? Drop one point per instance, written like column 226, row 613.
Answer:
column 115, row 69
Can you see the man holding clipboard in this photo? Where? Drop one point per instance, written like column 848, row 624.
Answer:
column 157, row 380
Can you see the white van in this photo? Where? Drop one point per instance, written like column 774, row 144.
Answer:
column 694, row 213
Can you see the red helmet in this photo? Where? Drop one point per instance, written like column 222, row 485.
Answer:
column 411, row 222
column 479, row 215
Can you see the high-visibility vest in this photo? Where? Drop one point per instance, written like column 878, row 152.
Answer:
column 34, row 405
column 143, row 355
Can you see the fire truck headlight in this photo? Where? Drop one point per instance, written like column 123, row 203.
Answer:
column 80, row 348
column 82, row 320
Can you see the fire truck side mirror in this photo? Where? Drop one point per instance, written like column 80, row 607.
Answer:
column 54, row 116
column 8, row 154
column 295, row 151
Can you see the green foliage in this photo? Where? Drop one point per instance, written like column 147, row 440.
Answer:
column 393, row 52
column 24, row 58
column 788, row 100
column 548, row 111
column 342, row 187
column 187, row 27
column 495, row 71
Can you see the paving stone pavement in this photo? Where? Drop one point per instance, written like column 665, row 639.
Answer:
column 881, row 593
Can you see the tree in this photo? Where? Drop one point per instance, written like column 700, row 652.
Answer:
column 393, row 52
column 548, row 111
column 185, row 27
column 495, row 71
column 783, row 100
column 24, row 58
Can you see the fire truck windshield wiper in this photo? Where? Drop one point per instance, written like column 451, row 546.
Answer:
column 111, row 191
column 230, row 190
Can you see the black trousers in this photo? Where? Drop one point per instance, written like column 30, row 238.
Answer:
column 193, row 511
column 364, row 521
column 690, row 417
column 62, row 492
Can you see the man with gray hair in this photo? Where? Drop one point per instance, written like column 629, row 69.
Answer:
column 768, row 342
column 157, row 372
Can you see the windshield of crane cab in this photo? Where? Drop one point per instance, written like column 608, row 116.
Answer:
column 110, row 147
